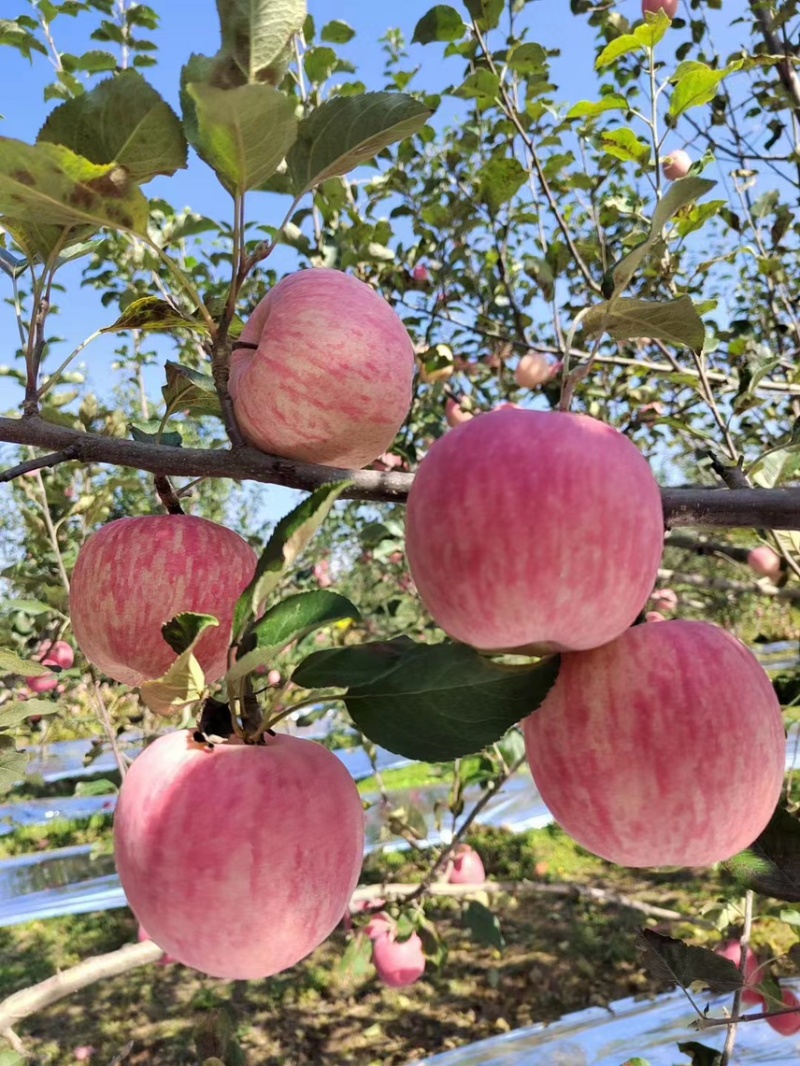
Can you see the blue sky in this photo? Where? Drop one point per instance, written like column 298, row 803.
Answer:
column 191, row 26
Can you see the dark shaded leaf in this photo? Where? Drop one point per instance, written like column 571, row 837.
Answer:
column 429, row 702
column 441, row 23
column 190, row 389
column 151, row 312
column 672, row 960
column 484, row 925
column 675, row 321
column 184, row 630
column 771, row 865
column 700, row 1054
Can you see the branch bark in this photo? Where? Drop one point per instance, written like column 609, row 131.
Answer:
column 709, row 507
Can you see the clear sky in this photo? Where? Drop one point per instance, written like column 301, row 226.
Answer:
column 191, row 26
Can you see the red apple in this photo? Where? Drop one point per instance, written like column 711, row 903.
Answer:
column 421, row 275
column 331, row 379
column 676, row 165
column 239, row 861
column 654, row 616
column 533, row 369
column 379, row 925
column 58, row 652
column 764, row 562
column 534, row 530
column 46, row 682
column 455, row 413
column 663, row 748
column 669, row 7
column 664, row 600
column 134, row 574
column 398, row 962
column 787, row 1024
column 732, row 950
column 467, row 868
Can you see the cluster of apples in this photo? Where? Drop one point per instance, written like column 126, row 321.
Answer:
column 535, row 533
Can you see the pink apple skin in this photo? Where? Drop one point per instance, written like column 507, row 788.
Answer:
column 421, row 275
column 134, row 574
column 669, row 7
column 399, row 963
column 379, row 925
column 764, row 562
column 786, row 1024
column 534, row 530
column 455, row 413
column 676, row 165
column 58, row 652
column 681, row 744
column 654, row 616
column 165, row 960
column 279, row 828
column 331, row 379
column 732, row 950
column 467, row 868
column 45, row 683
column 533, row 369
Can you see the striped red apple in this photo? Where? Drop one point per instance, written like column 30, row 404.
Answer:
column 135, row 574
column 664, row 747
column 533, row 530
column 239, row 860
column 329, row 373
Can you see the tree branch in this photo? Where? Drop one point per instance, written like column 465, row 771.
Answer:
column 720, row 508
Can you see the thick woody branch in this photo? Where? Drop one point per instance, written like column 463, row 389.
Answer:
column 721, row 508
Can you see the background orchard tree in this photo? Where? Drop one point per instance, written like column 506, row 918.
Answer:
column 520, row 222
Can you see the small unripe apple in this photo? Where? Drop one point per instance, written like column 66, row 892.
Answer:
column 682, row 746
column 534, row 530
column 676, row 165
column 455, row 413
column 135, row 574
column 379, row 925
column 273, row 831
column 764, row 562
column 652, row 7
column 732, row 950
column 664, row 600
column 467, row 868
column 787, row 1024
column 532, row 370
column 398, row 962
column 331, row 379
column 58, row 652
column 45, row 683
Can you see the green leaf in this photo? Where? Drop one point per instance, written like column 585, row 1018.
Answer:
column 698, row 86
column 482, row 85
column 121, row 120
column 190, row 389
column 13, row 765
column 98, row 787
column 675, row 321
column 591, row 109
column 39, row 242
column 776, row 466
column 49, row 184
column 484, row 925
column 623, row 144
column 771, row 865
column 150, row 313
column 11, row 663
column 296, row 616
column 682, row 192
column 500, row 180
column 347, row 131
column 182, row 684
column 184, row 630
column 11, row 714
column 155, row 434
column 528, row 58
column 15, row 35
column 356, row 960
column 337, row 32
column 289, row 538
column 256, row 33
column 486, row 13
column 441, row 23
column 429, row 702
column 672, row 960
column 27, row 606
column 645, row 36
column 243, row 134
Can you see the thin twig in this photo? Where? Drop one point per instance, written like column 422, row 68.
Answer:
column 52, row 459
